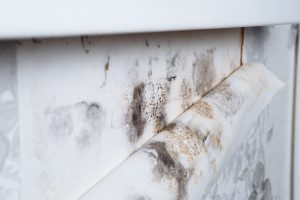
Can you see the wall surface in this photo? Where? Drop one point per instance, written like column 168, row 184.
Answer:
column 74, row 99
column 267, row 153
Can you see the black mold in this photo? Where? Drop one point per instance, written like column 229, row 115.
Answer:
column 167, row 166
column 36, row 41
column 147, row 43
column 203, row 71
column 172, row 67
column 136, row 118
column 83, row 42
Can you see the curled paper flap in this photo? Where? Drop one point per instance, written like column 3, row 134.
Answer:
column 182, row 161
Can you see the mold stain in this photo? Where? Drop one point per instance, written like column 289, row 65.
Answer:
column 84, row 40
column 147, row 43
column 226, row 98
column 156, row 106
column 81, row 122
column 215, row 140
column 106, row 68
column 93, row 118
column 186, row 94
column 184, row 141
column 60, row 122
column 167, row 167
column 136, row 119
column 172, row 67
column 203, row 108
column 203, row 72
column 4, row 150
column 36, row 41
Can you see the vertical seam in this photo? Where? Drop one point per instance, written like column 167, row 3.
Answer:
column 292, row 180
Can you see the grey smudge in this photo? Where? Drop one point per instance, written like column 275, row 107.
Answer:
column 269, row 135
column 203, row 72
column 83, row 43
column 167, row 166
column 4, row 150
column 36, row 41
column 136, row 119
column 106, row 67
column 172, row 67
column 267, row 190
column 255, row 39
column 147, row 43
column 226, row 98
column 87, row 116
column 258, row 176
column 253, row 195
column 60, row 122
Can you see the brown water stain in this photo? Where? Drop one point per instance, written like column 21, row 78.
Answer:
column 203, row 108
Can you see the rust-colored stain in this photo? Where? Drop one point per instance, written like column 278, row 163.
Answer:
column 203, row 108
column 185, row 141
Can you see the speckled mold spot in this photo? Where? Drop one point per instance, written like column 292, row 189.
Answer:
column 203, row 71
column 186, row 94
column 184, row 141
column 203, row 108
column 155, row 106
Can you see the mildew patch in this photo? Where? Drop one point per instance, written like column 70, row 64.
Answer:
column 36, row 41
column 172, row 67
column 203, row 108
column 106, row 68
column 186, row 142
column 186, row 94
column 215, row 140
column 226, row 98
column 147, row 43
column 167, row 167
column 213, row 166
column 155, row 106
column 81, row 122
column 139, row 197
column 4, row 150
column 85, row 40
column 136, row 118
column 203, row 72
column 60, row 122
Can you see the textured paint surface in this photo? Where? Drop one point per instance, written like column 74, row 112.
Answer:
column 87, row 103
column 183, row 160
column 275, row 46
column 9, row 125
